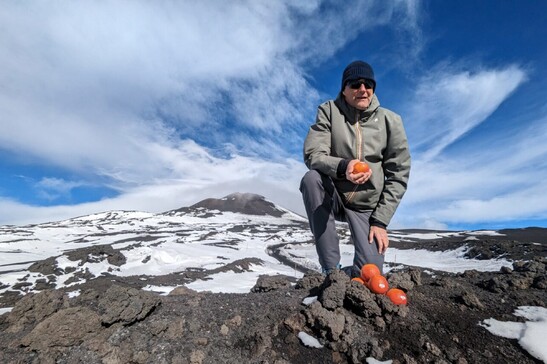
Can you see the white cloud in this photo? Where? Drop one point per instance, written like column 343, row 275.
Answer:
column 132, row 90
column 490, row 179
column 207, row 176
column 449, row 104
column 52, row 188
column 85, row 84
column 526, row 203
column 496, row 181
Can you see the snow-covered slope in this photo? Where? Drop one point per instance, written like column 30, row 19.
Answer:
column 127, row 243
column 228, row 241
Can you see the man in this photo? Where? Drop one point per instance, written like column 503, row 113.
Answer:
column 348, row 130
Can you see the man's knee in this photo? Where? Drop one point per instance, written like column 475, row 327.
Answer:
column 312, row 179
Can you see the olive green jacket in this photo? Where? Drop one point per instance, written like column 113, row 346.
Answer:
column 376, row 136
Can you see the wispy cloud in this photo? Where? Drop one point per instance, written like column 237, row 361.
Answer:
column 51, row 188
column 206, row 176
column 205, row 95
column 498, row 183
column 448, row 104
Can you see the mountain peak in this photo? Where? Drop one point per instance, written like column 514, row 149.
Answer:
column 243, row 203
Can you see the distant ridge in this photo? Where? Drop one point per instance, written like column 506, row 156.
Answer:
column 532, row 233
column 244, row 203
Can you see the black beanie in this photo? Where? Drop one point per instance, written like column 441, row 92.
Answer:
column 356, row 71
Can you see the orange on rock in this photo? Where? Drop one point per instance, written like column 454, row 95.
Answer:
column 368, row 271
column 397, row 296
column 378, row 284
column 358, row 280
column 361, row 167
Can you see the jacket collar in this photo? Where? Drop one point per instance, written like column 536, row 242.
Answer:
column 350, row 112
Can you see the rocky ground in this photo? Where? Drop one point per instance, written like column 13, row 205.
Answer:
column 114, row 321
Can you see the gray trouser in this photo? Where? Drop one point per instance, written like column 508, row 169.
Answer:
column 324, row 206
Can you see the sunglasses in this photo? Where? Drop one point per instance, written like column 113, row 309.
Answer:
column 356, row 84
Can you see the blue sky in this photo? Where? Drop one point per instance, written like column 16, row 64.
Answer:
column 151, row 106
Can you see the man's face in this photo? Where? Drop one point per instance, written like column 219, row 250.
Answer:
column 358, row 93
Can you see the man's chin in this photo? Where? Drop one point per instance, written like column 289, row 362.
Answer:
column 363, row 105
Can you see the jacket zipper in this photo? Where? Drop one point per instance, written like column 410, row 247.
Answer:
column 359, row 152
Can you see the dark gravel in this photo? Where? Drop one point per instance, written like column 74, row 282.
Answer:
column 114, row 321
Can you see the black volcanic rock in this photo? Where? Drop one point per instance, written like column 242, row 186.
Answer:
column 530, row 234
column 244, row 203
column 113, row 322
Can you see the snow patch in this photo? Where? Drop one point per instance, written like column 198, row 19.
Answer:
column 241, row 282
column 309, row 340
column 530, row 334
column 309, row 300
column 485, row 233
column 375, row 361
column 4, row 310
column 73, row 294
column 453, row 261
column 162, row 290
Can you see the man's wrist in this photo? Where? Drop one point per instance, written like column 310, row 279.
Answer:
column 377, row 223
column 342, row 167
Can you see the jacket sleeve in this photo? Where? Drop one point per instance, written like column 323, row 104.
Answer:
column 317, row 146
column 396, row 165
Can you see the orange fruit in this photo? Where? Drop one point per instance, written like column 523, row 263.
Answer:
column 368, row 271
column 358, row 280
column 361, row 167
column 378, row 284
column 397, row 296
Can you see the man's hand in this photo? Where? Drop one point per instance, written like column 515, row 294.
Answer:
column 357, row 178
column 380, row 235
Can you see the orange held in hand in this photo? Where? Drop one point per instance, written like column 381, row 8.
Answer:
column 378, row 284
column 361, row 167
column 397, row 296
column 368, row 271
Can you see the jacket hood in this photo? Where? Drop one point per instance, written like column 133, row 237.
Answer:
column 349, row 111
